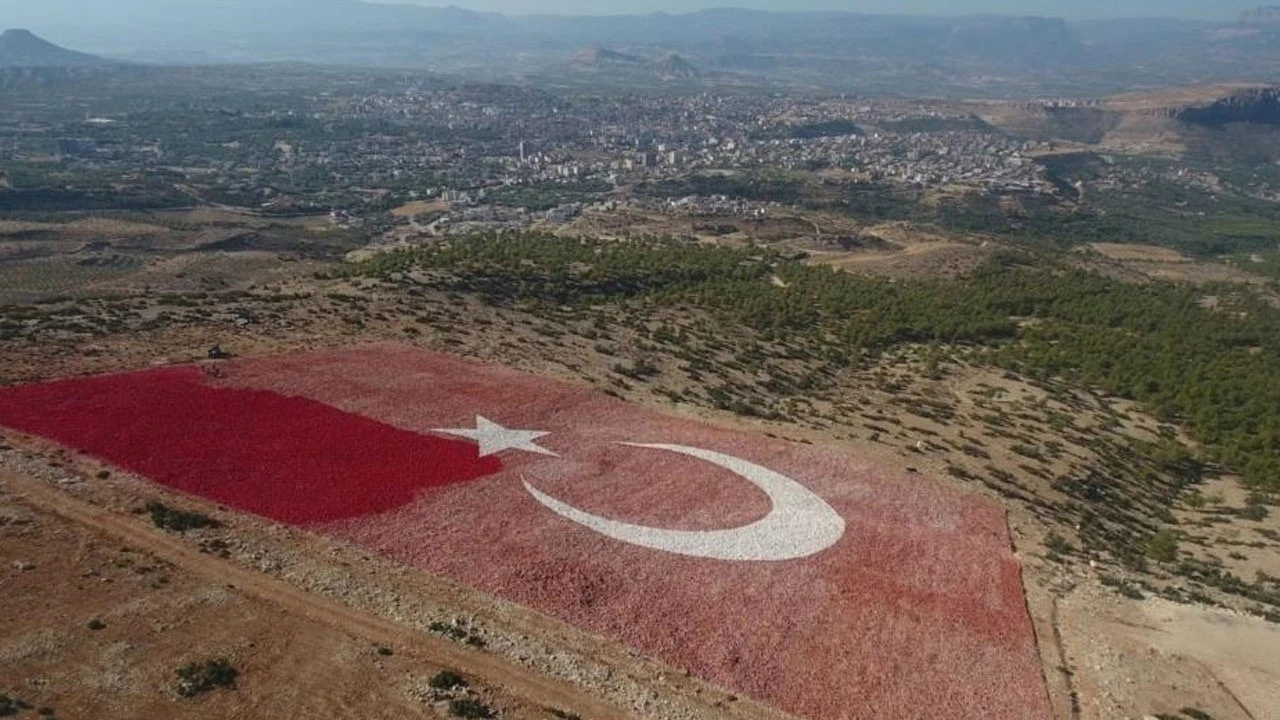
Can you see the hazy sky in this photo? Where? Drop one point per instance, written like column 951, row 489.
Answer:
column 1200, row 9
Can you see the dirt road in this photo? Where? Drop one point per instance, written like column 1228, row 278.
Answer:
column 528, row 687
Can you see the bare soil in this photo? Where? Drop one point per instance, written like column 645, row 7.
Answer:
column 104, row 609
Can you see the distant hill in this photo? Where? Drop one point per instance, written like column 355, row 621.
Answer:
column 1261, row 16
column 1256, row 106
column 670, row 67
column 597, row 57
column 21, row 48
column 674, row 67
column 955, row 55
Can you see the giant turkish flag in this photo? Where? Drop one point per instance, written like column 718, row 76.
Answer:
column 814, row 581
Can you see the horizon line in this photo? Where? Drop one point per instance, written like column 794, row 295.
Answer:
column 1225, row 18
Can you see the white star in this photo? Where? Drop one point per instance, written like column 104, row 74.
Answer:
column 493, row 438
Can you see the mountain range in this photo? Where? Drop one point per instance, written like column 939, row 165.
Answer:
column 982, row 55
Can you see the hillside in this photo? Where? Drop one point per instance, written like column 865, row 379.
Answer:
column 22, row 48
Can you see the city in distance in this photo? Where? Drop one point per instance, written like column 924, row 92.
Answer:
column 639, row 360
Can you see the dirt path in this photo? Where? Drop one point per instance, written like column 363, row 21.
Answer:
column 530, row 687
column 1240, row 651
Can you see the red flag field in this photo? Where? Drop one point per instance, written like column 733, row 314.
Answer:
column 820, row 583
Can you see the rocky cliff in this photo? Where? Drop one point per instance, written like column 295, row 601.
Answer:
column 1260, row 106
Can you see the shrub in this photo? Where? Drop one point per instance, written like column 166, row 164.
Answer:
column 166, row 518
column 10, row 706
column 457, row 632
column 447, row 680
column 1163, row 546
column 96, row 624
column 468, row 708
column 1255, row 512
column 1058, row 544
column 639, row 369
column 448, row 629
column 1123, row 587
column 197, row 678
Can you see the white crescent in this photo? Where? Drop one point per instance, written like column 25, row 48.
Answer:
column 800, row 523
